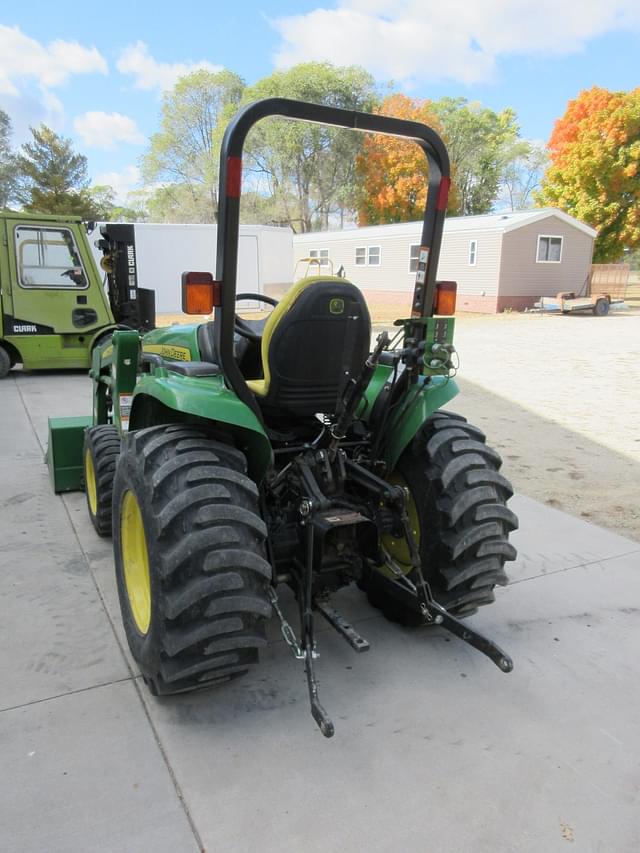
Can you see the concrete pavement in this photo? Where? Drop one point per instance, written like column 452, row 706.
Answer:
column 435, row 749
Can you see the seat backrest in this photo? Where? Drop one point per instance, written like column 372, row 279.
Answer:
column 315, row 340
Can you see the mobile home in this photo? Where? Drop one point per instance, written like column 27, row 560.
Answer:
column 501, row 260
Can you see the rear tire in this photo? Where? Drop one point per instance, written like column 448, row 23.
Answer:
column 100, row 454
column 463, row 521
column 204, row 547
column 5, row 362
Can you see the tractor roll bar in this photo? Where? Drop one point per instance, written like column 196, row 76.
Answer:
column 229, row 207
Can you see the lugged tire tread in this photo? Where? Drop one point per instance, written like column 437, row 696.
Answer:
column 464, row 553
column 212, row 576
column 104, row 442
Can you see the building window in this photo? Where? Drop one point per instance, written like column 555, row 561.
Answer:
column 373, row 257
column 473, row 252
column 361, row 256
column 549, row 249
column 414, row 252
column 322, row 254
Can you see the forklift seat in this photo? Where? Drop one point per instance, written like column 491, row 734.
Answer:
column 315, row 340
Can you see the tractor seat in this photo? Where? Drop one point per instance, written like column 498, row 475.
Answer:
column 315, row 340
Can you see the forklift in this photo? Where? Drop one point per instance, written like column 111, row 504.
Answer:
column 54, row 308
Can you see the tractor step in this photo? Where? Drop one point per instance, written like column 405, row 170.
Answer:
column 344, row 628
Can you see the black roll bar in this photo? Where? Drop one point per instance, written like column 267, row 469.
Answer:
column 229, row 208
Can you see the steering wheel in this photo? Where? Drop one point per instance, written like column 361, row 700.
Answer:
column 252, row 329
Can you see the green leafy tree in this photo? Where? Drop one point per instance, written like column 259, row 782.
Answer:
column 52, row 177
column 478, row 140
column 309, row 170
column 524, row 165
column 178, row 202
column 595, row 168
column 182, row 154
column 7, row 162
column 108, row 209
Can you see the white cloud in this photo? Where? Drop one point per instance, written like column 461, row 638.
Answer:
column 148, row 73
column 104, row 130
column 122, row 182
column 458, row 40
column 24, row 58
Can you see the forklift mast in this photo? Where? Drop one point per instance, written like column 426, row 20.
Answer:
column 132, row 306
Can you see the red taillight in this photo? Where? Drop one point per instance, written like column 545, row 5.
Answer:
column 200, row 293
column 445, row 301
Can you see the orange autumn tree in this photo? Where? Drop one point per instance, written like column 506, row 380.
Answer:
column 594, row 172
column 392, row 173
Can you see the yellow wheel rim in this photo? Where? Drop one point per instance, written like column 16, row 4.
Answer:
column 397, row 547
column 135, row 561
column 90, row 480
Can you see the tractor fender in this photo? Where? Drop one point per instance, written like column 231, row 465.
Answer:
column 410, row 416
column 178, row 399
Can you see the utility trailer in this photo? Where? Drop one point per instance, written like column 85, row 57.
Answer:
column 606, row 286
column 567, row 302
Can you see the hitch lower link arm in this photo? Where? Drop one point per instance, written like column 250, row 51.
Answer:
column 435, row 614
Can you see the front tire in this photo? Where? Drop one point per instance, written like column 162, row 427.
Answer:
column 5, row 362
column 458, row 508
column 191, row 566
column 100, row 454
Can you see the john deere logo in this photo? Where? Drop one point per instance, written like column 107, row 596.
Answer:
column 336, row 306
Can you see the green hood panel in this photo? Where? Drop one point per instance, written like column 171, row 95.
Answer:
column 178, row 342
column 206, row 398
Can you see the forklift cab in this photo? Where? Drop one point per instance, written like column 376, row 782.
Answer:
column 53, row 301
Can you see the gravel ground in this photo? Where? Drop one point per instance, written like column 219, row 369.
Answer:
column 559, row 397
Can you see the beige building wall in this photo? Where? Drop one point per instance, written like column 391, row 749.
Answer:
column 523, row 280
column 477, row 283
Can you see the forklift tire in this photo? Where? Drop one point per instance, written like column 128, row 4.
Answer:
column 458, row 502
column 191, row 567
column 5, row 362
column 601, row 308
column 100, row 454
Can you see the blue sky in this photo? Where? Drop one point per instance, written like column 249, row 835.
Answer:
column 97, row 75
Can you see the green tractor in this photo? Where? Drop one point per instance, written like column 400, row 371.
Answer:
column 235, row 457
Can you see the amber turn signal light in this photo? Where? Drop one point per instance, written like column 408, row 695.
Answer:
column 200, row 293
column 445, row 301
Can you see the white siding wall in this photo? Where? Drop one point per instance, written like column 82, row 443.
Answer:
column 391, row 274
column 395, row 243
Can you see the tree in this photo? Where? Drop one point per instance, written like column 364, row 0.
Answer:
column 525, row 163
column 478, row 140
column 595, row 168
column 7, row 162
column 108, row 209
column 52, row 178
column 183, row 152
column 393, row 173
column 309, row 169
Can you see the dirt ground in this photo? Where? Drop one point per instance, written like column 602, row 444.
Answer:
column 559, row 398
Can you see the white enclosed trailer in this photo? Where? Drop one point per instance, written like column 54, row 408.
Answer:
column 164, row 252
